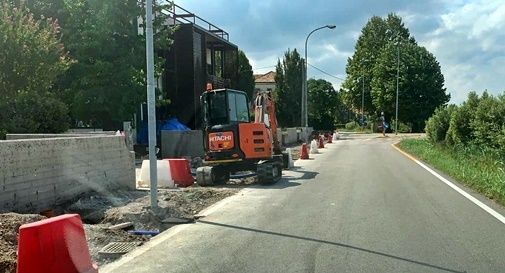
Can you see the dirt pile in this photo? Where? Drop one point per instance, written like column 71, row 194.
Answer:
column 9, row 226
column 99, row 212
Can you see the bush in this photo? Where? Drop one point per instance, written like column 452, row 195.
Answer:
column 353, row 125
column 402, row 127
column 438, row 124
column 488, row 122
column 34, row 114
column 459, row 126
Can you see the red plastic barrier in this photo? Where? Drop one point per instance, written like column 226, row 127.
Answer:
column 304, row 152
column 321, row 143
column 181, row 172
column 54, row 245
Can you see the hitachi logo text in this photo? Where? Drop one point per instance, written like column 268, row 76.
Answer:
column 221, row 138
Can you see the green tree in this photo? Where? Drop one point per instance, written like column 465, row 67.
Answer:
column 32, row 59
column 288, row 86
column 325, row 105
column 421, row 84
column 375, row 35
column 245, row 75
column 460, row 131
column 107, row 82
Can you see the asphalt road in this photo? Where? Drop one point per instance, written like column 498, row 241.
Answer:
column 360, row 206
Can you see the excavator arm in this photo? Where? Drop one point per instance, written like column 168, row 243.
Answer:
column 264, row 112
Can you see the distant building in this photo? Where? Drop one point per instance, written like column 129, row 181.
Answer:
column 265, row 82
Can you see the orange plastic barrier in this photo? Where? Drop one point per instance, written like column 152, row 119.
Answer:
column 304, row 153
column 181, row 172
column 321, row 143
column 54, row 245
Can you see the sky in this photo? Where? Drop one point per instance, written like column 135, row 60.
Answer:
column 467, row 37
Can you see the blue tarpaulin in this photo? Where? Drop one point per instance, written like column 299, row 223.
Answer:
column 172, row 124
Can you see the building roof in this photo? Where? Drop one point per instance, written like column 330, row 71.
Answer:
column 268, row 77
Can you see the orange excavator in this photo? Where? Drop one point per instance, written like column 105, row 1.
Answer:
column 233, row 143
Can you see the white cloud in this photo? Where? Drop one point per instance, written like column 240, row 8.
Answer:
column 466, row 36
column 469, row 43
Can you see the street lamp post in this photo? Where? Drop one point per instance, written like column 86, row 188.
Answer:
column 363, row 103
column 397, row 85
column 151, row 105
column 304, row 118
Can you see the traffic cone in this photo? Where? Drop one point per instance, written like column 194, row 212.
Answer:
column 321, row 142
column 313, row 147
column 304, row 153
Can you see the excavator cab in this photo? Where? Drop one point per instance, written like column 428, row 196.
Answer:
column 232, row 141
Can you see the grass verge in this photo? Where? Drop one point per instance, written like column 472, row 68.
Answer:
column 480, row 169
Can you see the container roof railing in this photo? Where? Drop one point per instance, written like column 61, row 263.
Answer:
column 183, row 16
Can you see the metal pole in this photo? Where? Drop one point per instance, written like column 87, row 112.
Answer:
column 151, row 107
column 363, row 102
column 397, row 80
column 304, row 75
column 305, row 87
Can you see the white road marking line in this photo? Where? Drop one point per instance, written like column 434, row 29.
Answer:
column 468, row 196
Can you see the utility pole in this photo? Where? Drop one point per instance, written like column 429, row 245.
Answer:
column 151, row 106
column 363, row 103
column 397, row 84
column 304, row 92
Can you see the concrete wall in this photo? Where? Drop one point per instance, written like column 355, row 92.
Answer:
column 176, row 144
column 37, row 174
column 289, row 136
column 69, row 134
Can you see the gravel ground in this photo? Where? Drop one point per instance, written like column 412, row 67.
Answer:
column 99, row 212
column 9, row 225
column 179, row 204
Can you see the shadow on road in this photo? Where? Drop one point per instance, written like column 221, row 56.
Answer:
column 285, row 182
column 334, row 244
column 306, row 175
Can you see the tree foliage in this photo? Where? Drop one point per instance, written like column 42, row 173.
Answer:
column 479, row 122
column 107, row 83
column 245, row 75
column 438, row 124
column 374, row 36
column 374, row 64
column 420, row 85
column 324, row 105
column 288, row 86
column 32, row 58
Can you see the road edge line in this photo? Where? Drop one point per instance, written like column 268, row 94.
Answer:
column 468, row 196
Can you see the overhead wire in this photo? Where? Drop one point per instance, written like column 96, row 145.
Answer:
column 326, row 73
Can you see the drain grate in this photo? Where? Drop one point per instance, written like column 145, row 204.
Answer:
column 118, row 248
